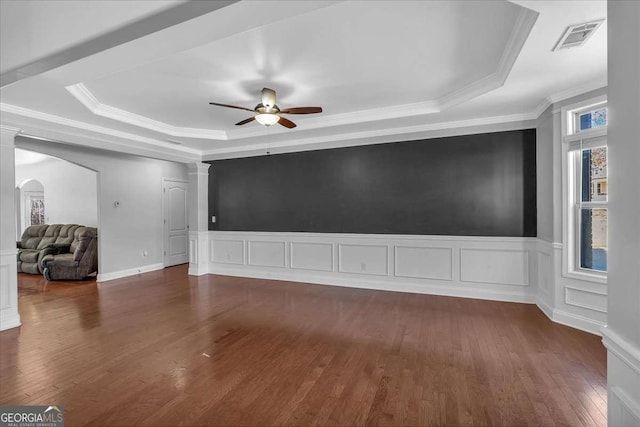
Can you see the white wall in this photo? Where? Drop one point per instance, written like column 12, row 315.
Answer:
column 544, row 175
column 134, row 227
column 70, row 191
column 622, row 336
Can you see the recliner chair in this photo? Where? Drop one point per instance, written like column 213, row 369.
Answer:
column 28, row 252
column 78, row 262
column 37, row 241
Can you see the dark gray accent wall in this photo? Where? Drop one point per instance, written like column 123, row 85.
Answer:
column 472, row 185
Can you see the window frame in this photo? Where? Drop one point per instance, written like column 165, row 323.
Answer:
column 574, row 141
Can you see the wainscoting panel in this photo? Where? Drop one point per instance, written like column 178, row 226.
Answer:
column 494, row 266
column 267, row 254
column 424, row 263
column 581, row 304
column 193, row 251
column 544, row 272
column 311, row 256
column 590, row 300
column 623, row 370
column 227, row 251
column 363, row 259
column 9, row 317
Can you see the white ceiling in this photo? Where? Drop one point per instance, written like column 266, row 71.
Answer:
column 377, row 68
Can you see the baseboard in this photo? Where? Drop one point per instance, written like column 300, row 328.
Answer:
column 545, row 308
column 197, row 271
column 578, row 322
column 371, row 283
column 103, row 277
column 10, row 322
column 622, row 349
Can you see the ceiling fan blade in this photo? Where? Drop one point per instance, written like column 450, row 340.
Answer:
column 286, row 123
column 245, row 121
column 230, row 106
column 302, row 110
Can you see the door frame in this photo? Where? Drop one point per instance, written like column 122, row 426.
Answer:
column 165, row 225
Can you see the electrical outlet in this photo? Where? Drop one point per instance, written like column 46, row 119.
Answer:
column 363, row 266
column 213, row 219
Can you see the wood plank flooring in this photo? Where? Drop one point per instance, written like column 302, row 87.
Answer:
column 167, row 349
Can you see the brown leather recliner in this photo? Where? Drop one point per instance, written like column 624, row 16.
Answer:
column 80, row 261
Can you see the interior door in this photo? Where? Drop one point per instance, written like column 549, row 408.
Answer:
column 174, row 194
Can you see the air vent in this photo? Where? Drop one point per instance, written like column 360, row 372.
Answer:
column 577, row 35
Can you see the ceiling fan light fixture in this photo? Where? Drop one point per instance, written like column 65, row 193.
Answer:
column 267, row 119
column 267, row 113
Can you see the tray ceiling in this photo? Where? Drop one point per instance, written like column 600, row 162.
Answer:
column 372, row 66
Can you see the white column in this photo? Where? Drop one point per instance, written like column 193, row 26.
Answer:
column 622, row 334
column 198, row 218
column 9, row 317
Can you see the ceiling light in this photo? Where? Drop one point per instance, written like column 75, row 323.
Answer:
column 267, row 119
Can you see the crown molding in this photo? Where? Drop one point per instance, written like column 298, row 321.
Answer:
column 336, row 140
column 577, row 90
column 38, row 115
column 520, row 121
column 542, row 107
column 88, row 99
column 567, row 94
column 9, row 130
column 519, row 34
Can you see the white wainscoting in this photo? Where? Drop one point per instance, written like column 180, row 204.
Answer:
column 9, row 317
column 577, row 303
column 199, row 252
column 623, row 370
column 496, row 268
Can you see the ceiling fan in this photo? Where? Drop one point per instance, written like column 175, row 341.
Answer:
column 268, row 113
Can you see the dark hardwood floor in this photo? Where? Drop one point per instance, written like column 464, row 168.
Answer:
column 167, row 349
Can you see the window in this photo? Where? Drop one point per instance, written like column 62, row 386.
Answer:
column 586, row 192
column 590, row 208
column 590, row 119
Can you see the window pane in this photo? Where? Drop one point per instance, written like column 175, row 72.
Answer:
column 37, row 211
column 585, row 121
column 599, row 117
column 593, row 119
column 593, row 239
column 594, row 175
